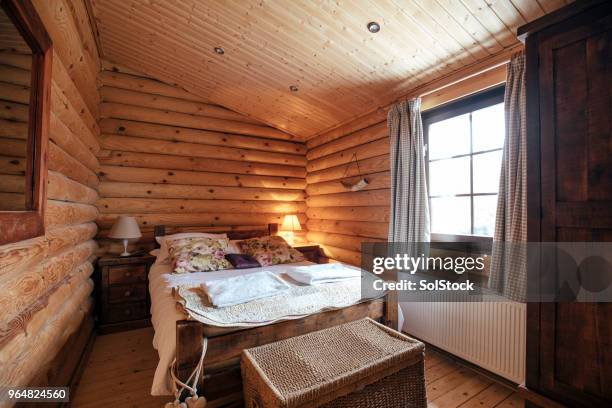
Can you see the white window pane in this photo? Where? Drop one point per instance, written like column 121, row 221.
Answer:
column 488, row 127
column 487, row 168
column 485, row 208
column 450, row 215
column 450, row 137
column 449, row 177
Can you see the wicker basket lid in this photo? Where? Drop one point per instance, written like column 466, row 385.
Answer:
column 305, row 367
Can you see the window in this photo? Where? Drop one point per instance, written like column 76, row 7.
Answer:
column 464, row 151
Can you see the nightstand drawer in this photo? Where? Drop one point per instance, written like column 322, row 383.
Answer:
column 125, row 312
column 126, row 274
column 127, row 293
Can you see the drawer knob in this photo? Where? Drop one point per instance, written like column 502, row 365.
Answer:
column 127, row 293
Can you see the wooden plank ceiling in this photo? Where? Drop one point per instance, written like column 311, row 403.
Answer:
column 323, row 47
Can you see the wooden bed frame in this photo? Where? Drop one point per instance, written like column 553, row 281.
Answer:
column 221, row 379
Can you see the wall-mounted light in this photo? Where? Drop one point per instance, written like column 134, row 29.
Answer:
column 293, row 88
column 373, row 27
column 219, row 50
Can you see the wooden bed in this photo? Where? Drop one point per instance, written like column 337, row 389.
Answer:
column 221, row 378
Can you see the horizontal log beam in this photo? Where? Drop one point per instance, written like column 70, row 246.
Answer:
column 62, row 188
column 370, row 213
column 347, row 157
column 351, row 199
column 152, row 205
column 367, row 166
column 348, row 242
column 159, row 161
column 144, row 190
column 147, row 175
column 60, row 213
column 375, row 132
column 122, row 111
column 364, row 229
column 64, row 163
column 376, row 181
column 194, row 219
column 137, row 144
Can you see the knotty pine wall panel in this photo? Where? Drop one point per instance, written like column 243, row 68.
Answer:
column 168, row 157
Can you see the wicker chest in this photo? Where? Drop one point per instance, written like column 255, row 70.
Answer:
column 354, row 365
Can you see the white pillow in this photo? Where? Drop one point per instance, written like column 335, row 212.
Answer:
column 164, row 255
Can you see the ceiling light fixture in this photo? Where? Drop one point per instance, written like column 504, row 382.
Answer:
column 219, row 50
column 373, row 27
column 293, row 88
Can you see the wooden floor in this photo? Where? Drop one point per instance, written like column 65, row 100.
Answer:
column 121, row 367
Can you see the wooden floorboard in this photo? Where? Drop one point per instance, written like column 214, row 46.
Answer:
column 120, row 371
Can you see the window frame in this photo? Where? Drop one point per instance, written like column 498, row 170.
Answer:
column 459, row 107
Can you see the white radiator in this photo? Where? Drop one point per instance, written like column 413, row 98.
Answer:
column 490, row 334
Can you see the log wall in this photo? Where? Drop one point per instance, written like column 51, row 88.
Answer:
column 45, row 285
column 169, row 157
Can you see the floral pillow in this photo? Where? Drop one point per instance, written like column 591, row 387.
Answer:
column 198, row 254
column 270, row 250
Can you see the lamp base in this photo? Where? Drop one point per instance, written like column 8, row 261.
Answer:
column 125, row 251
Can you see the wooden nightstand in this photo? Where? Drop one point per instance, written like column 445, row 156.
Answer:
column 122, row 288
column 312, row 252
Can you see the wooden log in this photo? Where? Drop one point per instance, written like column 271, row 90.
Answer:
column 373, row 213
column 158, row 161
column 13, row 147
column 64, row 213
column 342, row 255
column 62, row 162
column 122, row 111
column 15, row 60
column 376, row 181
column 83, row 24
column 16, row 75
column 19, row 294
column 61, row 188
column 146, row 175
column 15, row 93
column 137, row 144
column 348, row 127
column 172, row 104
column 12, row 183
column 19, row 256
column 147, row 85
column 68, row 47
column 148, row 206
column 369, row 134
column 17, row 112
column 13, row 130
column 61, row 135
column 346, row 157
column 351, row 199
column 143, row 190
column 12, row 201
column 348, row 242
column 49, row 334
column 356, row 228
column 12, row 165
column 65, row 111
column 195, row 219
column 62, row 80
column 181, row 134
column 367, row 166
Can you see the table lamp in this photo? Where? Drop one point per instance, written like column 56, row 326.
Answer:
column 289, row 226
column 125, row 228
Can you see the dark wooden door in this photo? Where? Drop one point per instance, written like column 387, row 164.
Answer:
column 570, row 344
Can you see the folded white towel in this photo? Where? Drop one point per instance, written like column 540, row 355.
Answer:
column 243, row 288
column 323, row 273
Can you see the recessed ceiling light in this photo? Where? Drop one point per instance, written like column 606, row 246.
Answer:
column 219, row 50
column 373, row 27
column 293, row 88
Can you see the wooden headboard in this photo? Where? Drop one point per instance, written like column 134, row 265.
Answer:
column 232, row 232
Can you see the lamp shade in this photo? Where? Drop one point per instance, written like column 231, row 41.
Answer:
column 125, row 228
column 291, row 223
